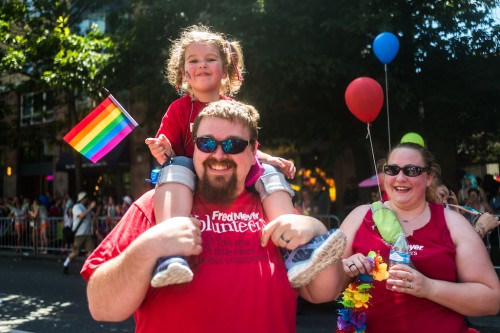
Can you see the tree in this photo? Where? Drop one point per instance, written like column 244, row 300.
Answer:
column 301, row 56
column 40, row 52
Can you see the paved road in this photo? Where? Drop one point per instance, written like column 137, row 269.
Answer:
column 36, row 297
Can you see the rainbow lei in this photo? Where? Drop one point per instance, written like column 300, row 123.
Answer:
column 356, row 297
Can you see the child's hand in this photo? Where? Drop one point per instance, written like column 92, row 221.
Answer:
column 160, row 148
column 286, row 167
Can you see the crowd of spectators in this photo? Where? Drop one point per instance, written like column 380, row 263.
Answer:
column 40, row 224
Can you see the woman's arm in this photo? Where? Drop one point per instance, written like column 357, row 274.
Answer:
column 477, row 291
column 34, row 213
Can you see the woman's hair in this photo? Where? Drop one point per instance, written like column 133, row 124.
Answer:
column 471, row 178
column 230, row 51
column 429, row 162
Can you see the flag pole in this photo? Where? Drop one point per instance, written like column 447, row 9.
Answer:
column 106, row 91
column 122, row 109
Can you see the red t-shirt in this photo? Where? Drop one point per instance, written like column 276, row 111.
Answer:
column 433, row 254
column 177, row 122
column 237, row 286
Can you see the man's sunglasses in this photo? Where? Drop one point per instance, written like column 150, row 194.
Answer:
column 230, row 146
column 409, row 170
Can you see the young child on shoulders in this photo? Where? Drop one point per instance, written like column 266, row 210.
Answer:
column 209, row 67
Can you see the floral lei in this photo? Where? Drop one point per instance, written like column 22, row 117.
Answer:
column 356, row 297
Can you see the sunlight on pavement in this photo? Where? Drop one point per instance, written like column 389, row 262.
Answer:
column 18, row 309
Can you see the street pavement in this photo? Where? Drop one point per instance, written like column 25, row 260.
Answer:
column 35, row 297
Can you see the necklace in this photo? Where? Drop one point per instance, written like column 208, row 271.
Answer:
column 422, row 213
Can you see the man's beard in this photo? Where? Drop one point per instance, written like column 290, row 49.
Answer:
column 217, row 189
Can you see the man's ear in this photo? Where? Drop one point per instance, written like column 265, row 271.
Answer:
column 256, row 147
column 254, row 152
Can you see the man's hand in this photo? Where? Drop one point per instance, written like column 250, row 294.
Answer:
column 291, row 230
column 160, row 148
column 175, row 236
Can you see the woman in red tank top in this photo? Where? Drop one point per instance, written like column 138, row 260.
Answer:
column 451, row 275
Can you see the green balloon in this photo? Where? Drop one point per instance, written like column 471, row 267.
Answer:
column 413, row 138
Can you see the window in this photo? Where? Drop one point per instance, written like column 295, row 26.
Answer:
column 37, row 108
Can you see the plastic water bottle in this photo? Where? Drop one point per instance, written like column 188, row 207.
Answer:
column 399, row 253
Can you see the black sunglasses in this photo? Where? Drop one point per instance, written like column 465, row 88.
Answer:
column 409, row 170
column 230, row 146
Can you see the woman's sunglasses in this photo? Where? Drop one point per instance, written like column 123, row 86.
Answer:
column 230, row 146
column 409, row 170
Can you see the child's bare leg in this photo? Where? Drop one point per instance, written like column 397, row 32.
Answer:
column 173, row 197
column 277, row 203
column 172, row 200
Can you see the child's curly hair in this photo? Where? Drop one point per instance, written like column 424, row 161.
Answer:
column 230, row 51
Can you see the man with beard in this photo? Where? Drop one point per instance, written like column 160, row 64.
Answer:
column 240, row 282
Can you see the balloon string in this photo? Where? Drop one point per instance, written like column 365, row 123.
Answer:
column 369, row 135
column 387, row 106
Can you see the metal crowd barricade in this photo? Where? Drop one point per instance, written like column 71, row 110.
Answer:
column 25, row 238
column 330, row 221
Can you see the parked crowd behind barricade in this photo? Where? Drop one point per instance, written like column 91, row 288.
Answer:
column 477, row 204
column 351, row 196
column 314, row 200
column 44, row 224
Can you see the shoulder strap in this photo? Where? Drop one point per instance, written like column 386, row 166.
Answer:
column 386, row 221
column 79, row 223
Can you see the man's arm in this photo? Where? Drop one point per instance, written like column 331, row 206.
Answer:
column 328, row 285
column 83, row 211
column 117, row 287
column 299, row 230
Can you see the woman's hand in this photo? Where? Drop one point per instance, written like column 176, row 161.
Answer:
column 485, row 223
column 404, row 279
column 356, row 264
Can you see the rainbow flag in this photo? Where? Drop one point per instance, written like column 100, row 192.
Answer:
column 99, row 132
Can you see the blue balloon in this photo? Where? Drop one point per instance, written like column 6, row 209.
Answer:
column 386, row 46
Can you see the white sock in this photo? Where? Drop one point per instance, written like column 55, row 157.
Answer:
column 67, row 261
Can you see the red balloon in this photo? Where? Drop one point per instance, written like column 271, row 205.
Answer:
column 364, row 98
